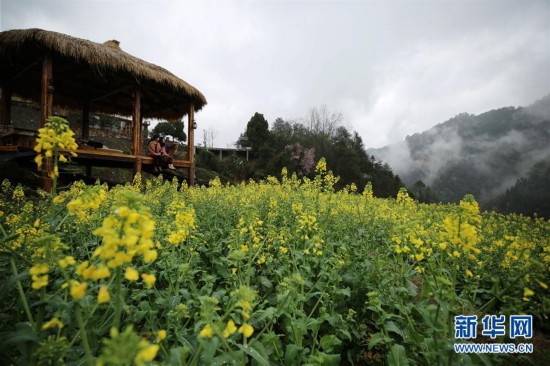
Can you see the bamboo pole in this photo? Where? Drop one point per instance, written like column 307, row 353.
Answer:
column 46, row 105
column 191, row 144
column 136, row 131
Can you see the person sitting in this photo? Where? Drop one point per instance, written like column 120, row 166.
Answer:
column 154, row 151
column 167, row 158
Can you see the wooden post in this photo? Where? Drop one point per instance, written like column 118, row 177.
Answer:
column 46, row 98
column 86, row 120
column 136, row 131
column 191, row 144
column 46, row 105
column 5, row 116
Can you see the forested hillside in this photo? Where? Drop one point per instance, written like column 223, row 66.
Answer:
column 298, row 146
column 484, row 155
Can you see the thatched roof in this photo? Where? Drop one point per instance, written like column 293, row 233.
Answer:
column 99, row 72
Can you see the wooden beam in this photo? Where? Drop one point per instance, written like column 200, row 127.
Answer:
column 76, row 82
column 5, row 116
column 191, row 144
column 25, row 69
column 113, row 92
column 136, row 130
column 46, row 102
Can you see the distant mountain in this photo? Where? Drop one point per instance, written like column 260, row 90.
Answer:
column 484, row 155
column 530, row 195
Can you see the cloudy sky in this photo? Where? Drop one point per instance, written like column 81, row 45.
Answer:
column 391, row 67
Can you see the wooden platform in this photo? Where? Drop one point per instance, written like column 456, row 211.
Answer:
column 95, row 157
column 101, row 156
column 14, row 152
column 8, row 149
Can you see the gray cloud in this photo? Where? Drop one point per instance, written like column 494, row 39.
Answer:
column 392, row 68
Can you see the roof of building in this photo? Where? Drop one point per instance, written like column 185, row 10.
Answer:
column 101, row 73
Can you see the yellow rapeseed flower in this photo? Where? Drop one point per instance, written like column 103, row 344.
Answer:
column 67, row 261
column 53, row 322
column 149, row 279
column 81, row 268
column 161, row 335
column 78, row 289
column 39, row 276
column 101, row 272
column 103, row 296
column 207, row 331
column 39, row 281
column 131, row 274
column 150, row 256
column 247, row 330
column 230, row 328
column 39, row 269
column 147, row 353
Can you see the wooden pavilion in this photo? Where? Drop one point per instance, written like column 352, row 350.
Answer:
column 55, row 69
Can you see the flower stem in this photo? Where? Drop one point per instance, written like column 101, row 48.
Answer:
column 22, row 294
column 55, row 167
column 83, row 334
column 118, row 297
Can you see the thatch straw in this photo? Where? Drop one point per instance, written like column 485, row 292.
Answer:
column 107, row 58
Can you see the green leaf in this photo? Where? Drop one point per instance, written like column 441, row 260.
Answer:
column 393, row 328
column 266, row 314
column 178, row 356
column 313, row 325
column 328, row 342
column 23, row 333
column 258, row 353
column 229, row 358
column 272, row 343
column 293, row 355
column 265, row 282
column 377, row 338
column 329, row 359
column 346, row 333
column 344, row 291
column 209, row 346
column 412, row 289
column 444, row 280
column 397, row 356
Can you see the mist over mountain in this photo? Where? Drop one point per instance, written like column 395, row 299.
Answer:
column 484, row 155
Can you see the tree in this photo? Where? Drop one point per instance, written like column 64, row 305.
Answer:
column 423, row 193
column 210, row 135
column 174, row 129
column 321, row 121
column 242, row 141
column 257, row 132
column 282, row 133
